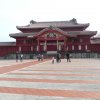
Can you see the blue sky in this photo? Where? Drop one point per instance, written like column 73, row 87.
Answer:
column 19, row 12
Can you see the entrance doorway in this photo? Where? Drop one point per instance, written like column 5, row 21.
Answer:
column 51, row 45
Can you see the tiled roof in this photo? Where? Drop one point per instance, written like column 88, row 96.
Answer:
column 53, row 29
column 21, row 34
column 58, row 24
column 70, row 33
column 82, row 32
column 88, row 32
column 7, row 43
column 35, row 33
column 97, row 36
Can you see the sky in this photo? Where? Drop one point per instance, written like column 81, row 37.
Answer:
column 19, row 13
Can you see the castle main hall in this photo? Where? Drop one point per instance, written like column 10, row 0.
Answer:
column 52, row 37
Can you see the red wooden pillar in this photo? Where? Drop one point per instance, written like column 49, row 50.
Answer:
column 38, row 46
column 57, row 46
column 31, row 48
column 45, row 45
column 65, row 46
column 20, row 48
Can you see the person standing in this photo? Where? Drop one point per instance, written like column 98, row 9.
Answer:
column 42, row 57
column 52, row 60
column 16, row 57
column 39, row 57
column 68, row 57
column 21, row 57
column 57, row 58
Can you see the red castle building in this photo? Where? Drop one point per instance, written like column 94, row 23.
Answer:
column 52, row 37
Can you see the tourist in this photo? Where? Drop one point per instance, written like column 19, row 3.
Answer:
column 57, row 58
column 16, row 57
column 39, row 57
column 42, row 57
column 52, row 60
column 68, row 57
column 21, row 57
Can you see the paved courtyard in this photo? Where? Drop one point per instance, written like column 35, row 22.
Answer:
column 33, row 80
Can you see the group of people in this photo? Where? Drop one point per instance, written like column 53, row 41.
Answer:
column 40, row 57
column 68, row 57
column 19, row 57
column 58, row 58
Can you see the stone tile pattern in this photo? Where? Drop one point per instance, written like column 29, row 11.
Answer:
column 33, row 80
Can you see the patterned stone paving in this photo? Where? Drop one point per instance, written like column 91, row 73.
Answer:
column 33, row 80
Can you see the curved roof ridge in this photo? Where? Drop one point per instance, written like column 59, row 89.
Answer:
column 59, row 24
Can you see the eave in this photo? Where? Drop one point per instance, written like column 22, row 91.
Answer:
column 84, row 26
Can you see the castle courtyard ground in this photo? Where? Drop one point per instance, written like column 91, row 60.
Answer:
column 34, row 80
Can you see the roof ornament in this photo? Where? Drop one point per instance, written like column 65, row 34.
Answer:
column 50, row 26
column 73, row 21
column 32, row 22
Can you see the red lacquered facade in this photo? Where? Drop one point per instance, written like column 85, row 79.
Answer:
column 48, row 37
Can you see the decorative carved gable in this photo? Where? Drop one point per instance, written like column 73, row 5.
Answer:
column 51, row 35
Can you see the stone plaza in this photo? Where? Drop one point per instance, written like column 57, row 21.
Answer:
column 42, row 80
